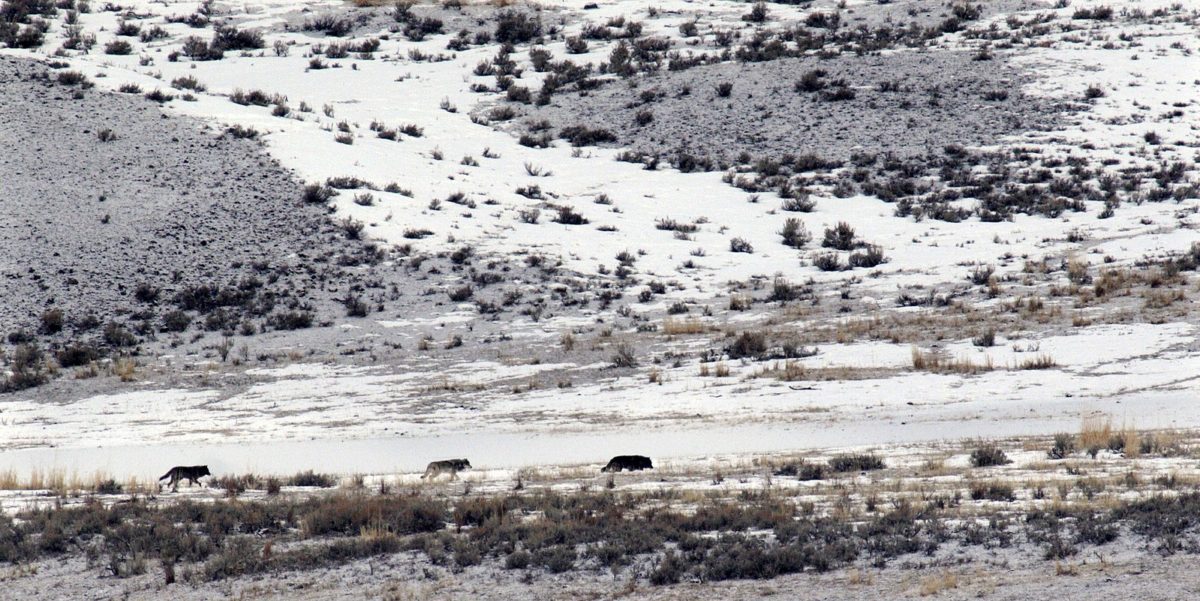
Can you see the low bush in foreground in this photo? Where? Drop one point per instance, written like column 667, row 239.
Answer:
column 704, row 539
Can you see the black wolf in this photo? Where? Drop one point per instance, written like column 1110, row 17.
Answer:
column 191, row 473
column 631, row 463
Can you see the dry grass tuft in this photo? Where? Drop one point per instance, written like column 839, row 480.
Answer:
column 673, row 327
column 124, row 369
column 1095, row 432
column 936, row 362
column 1041, row 361
column 932, row 585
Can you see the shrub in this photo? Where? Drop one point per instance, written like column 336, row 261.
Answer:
column 839, row 237
column 871, row 257
column 989, row 455
column 827, row 262
column 355, row 306
column 579, row 135
column 811, row 81
column 740, row 245
column 669, row 570
column 1100, row 13
column 724, row 89
column 52, row 321
column 992, row 491
column 758, row 13
column 529, row 215
column 353, row 228
column 747, row 345
column 176, row 321
column 838, row 94
column 461, row 293
column 795, row 234
column 117, row 335
column 330, row 25
column 311, row 479
column 856, row 463
column 568, row 216
column 519, row 94
column 199, row 50
column 799, row 204
column 1064, row 445
column 72, row 78
column 118, row 47
column 515, row 27
column 291, row 320
column 986, row 339
column 557, row 559
column 27, row 368
column 228, row 37
column 624, row 357
column 76, row 354
column 576, row 45
column 517, row 560
column 159, row 96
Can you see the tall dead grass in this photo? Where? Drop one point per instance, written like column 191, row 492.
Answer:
column 936, row 362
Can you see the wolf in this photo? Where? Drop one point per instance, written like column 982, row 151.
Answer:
column 191, row 473
column 632, row 463
column 448, row 466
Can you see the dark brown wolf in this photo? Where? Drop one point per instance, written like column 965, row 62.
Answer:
column 631, row 463
column 448, row 466
column 191, row 473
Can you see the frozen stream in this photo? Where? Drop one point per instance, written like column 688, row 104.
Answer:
column 502, row 450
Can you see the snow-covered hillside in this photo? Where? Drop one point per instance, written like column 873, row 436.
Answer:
column 1061, row 222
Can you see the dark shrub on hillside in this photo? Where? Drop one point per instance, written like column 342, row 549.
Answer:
column 747, row 344
column 318, row 194
column 872, row 256
column 292, row 320
column 811, row 81
column 52, row 321
column 840, row 237
column 119, row 47
column 27, row 369
column 77, row 354
column 117, row 335
column 228, row 37
column 794, row 233
column 568, row 216
column 827, row 262
column 740, row 245
column 330, row 25
column 197, row 49
column 515, row 27
column 579, row 135
column 176, row 321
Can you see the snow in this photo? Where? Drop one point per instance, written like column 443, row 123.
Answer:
column 1133, row 371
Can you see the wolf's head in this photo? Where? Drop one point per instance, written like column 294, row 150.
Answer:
column 203, row 471
column 462, row 464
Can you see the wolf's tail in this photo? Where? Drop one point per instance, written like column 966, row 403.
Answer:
column 166, row 475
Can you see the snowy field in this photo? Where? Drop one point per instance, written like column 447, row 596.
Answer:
column 1125, row 89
